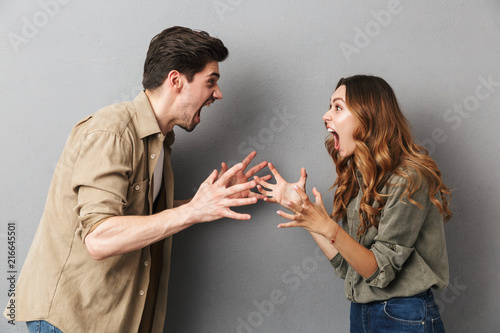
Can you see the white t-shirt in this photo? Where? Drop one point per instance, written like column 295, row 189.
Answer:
column 158, row 174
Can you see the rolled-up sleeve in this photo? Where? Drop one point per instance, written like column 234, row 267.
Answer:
column 100, row 179
column 399, row 227
column 340, row 265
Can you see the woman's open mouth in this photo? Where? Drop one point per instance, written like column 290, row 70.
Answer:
column 336, row 137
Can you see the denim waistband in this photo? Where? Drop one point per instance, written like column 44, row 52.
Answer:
column 425, row 294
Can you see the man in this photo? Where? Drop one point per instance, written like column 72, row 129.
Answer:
column 100, row 258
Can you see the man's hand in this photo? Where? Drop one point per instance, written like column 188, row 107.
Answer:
column 282, row 192
column 242, row 177
column 215, row 196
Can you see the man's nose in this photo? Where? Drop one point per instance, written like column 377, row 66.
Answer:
column 217, row 94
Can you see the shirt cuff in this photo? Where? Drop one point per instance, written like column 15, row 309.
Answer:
column 87, row 231
column 337, row 260
column 373, row 280
column 98, row 224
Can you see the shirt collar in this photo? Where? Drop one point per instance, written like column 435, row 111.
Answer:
column 146, row 119
column 359, row 177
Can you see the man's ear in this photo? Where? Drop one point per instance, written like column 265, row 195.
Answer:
column 174, row 80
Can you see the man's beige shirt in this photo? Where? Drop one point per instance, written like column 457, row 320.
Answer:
column 105, row 170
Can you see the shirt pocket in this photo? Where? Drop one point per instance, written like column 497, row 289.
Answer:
column 137, row 198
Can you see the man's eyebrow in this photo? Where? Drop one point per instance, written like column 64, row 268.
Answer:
column 214, row 74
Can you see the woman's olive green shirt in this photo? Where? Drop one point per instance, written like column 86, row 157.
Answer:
column 409, row 246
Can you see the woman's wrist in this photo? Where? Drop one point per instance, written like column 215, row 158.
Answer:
column 333, row 231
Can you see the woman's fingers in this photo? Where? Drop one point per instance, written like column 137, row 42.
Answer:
column 288, row 225
column 275, row 172
column 286, row 215
column 301, row 193
column 317, row 195
column 294, row 207
column 270, row 200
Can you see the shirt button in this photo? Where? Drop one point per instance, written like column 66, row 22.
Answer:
column 146, row 263
column 153, row 156
column 137, row 187
column 141, row 292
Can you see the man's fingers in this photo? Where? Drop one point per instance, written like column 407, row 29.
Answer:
column 235, row 216
column 266, row 177
column 256, row 195
column 262, row 191
column 240, row 188
column 246, row 161
column 230, row 173
column 223, row 169
column 303, row 178
column 212, row 177
column 240, row 202
column 261, row 182
column 255, row 169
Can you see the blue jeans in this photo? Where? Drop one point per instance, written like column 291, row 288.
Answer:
column 41, row 326
column 418, row 313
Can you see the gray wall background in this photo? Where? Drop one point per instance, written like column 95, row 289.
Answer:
column 62, row 60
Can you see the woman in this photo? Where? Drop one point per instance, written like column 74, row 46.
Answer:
column 392, row 203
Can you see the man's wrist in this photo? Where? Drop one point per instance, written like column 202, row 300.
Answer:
column 189, row 213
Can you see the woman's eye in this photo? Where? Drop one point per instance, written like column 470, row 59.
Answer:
column 337, row 108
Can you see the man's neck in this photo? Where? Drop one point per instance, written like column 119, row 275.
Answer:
column 161, row 104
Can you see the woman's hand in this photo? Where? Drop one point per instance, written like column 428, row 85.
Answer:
column 282, row 192
column 311, row 216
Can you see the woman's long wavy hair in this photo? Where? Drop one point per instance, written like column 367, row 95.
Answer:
column 384, row 146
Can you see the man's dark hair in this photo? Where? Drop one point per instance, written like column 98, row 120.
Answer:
column 181, row 49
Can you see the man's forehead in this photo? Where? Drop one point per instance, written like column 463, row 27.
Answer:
column 211, row 69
